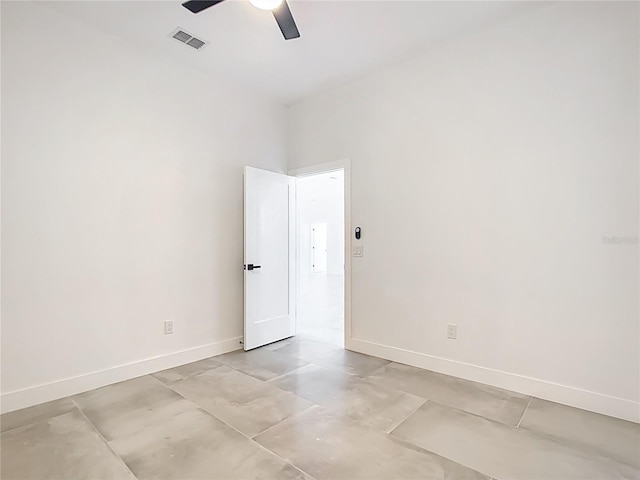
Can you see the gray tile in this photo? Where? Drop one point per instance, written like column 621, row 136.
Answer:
column 372, row 405
column 490, row 402
column 280, row 344
column 332, row 356
column 192, row 445
column 36, row 413
column 188, row 370
column 63, row 447
column 247, row 404
column 609, row 436
column 260, row 363
column 128, row 407
column 328, row 446
column 503, row 451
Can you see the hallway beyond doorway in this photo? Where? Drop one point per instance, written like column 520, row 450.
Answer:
column 321, row 308
column 320, row 236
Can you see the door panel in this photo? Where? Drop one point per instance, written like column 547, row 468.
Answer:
column 268, row 257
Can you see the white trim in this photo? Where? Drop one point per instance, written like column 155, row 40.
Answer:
column 27, row 397
column 321, row 168
column 344, row 164
column 567, row 395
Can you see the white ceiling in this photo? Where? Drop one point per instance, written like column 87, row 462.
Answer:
column 340, row 40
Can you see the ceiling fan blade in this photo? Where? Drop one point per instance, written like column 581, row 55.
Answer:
column 196, row 6
column 286, row 22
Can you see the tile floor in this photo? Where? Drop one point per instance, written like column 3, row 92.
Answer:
column 320, row 307
column 304, row 409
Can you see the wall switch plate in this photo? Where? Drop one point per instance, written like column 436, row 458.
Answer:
column 452, row 331
column 358, row 251
column 168, row 327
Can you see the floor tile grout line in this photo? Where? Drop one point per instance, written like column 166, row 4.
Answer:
column 446, row 405
column 354, row 377
column 377, row 369
column 195, row 373
column 199, row 407
column 206, row 411
column 466, row 412
column 242, row 433
column 288, row 462
column 166, row 385
column 397, row 424
column 380, row 385
column 364, row 379
column 251, row 439
column 284, row 419
column 326, row 367
column 299, row 413
column 97, row 430
column 169, row 384
column 231, row 426
column 334, row 347
column 317, row 365
column 534, row 433
column 287, row 373
column 404, row 441
column 524, row 412
column 261, row 379
column 31, row 423
column 170, row 387
column 221, row 364
column 336, row 369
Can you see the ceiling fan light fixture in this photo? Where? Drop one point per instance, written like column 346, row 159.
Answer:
column 279, row 8
column 266, row 4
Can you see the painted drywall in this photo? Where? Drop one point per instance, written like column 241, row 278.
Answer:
column 121, row 206
column 488, row 176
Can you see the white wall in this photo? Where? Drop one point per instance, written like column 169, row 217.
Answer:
column 485, row 175
column 121, row 206
column 320, row 199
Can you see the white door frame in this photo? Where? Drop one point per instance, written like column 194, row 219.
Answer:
column 344, row 164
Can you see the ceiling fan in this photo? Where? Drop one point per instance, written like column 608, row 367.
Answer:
column 279, row 8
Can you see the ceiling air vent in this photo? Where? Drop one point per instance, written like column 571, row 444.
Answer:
column 195, row 43
column 187, row 39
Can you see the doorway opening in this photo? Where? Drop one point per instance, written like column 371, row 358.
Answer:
column 320, row 225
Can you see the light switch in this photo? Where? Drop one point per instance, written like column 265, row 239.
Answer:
column 358, row 251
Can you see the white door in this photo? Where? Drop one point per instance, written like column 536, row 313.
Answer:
column 269, row 257
column 319, row 247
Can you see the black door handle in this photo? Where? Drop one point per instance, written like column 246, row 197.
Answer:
column 251, row 266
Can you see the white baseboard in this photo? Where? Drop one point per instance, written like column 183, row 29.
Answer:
column 27, row 397
column 575, row 397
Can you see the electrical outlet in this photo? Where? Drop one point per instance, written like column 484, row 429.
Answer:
column 168, row 327
column 358, row 251
column 452, row 331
